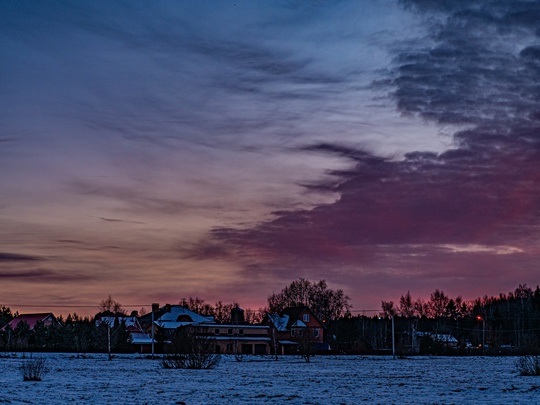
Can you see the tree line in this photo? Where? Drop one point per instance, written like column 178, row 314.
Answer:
column 507, row 323
column 83, row 334
column 504, row 324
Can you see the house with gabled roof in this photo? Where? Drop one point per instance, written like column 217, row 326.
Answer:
column 31, row 320
column 137, row 336
column 295, row 325
column 237, row 337
column 161, row 323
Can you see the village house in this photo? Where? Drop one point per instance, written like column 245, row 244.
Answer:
column 137, row 336
column 236, row 337
column 31, row 320
column 444, row 339
column 239, row 337
column 295, row 326
column 17, row 338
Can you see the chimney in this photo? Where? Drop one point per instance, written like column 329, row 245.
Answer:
column 168, row 307
column 155, row 307
column 237, row 315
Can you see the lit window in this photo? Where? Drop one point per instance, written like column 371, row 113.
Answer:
column 306, row 318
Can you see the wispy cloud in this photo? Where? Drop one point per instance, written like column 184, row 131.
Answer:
column 498, row 250
column 352, row 141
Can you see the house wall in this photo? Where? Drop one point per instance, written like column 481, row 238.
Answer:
column 313, row 324
column 240, row 339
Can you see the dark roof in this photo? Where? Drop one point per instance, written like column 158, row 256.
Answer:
column 294, row 314
column 146, row 319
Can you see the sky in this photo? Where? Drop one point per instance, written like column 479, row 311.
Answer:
column 154, row 151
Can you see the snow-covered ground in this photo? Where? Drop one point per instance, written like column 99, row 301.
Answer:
column 326, row 380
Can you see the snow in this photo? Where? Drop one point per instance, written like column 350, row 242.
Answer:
column 326, row 379
column 279, row 321
column 177, row 310
column 299, row 324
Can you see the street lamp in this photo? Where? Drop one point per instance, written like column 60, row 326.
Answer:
column 483, row 332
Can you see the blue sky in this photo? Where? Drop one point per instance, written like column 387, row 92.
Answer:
column 154, row 151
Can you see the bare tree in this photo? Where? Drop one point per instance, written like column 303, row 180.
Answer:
column 306, row 343
column 326, row 304
column 438, row 303
column 388, row 309
column 109, row 305
column 406, row 306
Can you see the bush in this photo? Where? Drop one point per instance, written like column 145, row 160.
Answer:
column 529, row 365
column 190, row 360
column 33, row 369
column 191, row 348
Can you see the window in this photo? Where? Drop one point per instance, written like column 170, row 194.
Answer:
column 300, row 332
column 305, row 318
column 316, row 332
column 229, row 331
column 216, row 331
column 293, row 332
column 241, row 332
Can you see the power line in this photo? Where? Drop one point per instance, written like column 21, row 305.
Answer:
column 70, row 306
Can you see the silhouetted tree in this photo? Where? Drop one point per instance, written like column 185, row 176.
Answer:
column 326, row 304
column 6, row 315
column 406, row 306
column 111, row 307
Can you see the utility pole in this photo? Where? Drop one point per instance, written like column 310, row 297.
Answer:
column 393, row 339
column 109, row 339
column 155, row 307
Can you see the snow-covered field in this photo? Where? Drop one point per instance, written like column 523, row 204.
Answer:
column 326, row 380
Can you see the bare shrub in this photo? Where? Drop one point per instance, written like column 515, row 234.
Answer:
column 33, row 369
column 528, row 365
column 191, row 348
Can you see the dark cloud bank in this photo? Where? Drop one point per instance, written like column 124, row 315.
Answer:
column 478, row 68
column 15, row 257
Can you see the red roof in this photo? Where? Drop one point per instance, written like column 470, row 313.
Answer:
column 32, row 319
